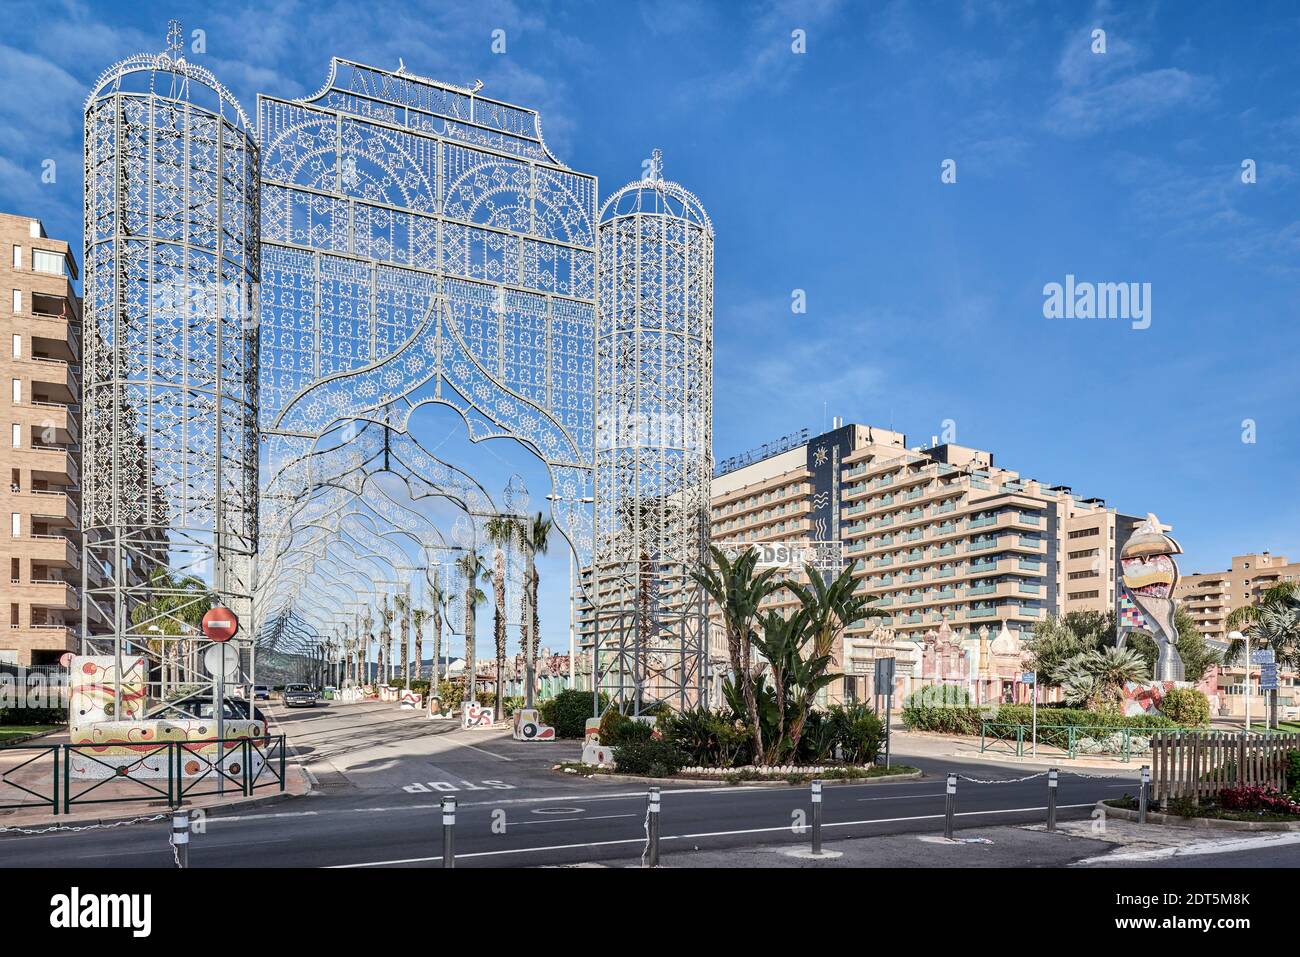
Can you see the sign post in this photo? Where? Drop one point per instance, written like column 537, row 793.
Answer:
column 1031, row 678
column 220, row 625
column 1266, row 658
column 885, row 679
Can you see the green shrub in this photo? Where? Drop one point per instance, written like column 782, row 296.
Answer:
column 1186, row 706
column 651, row 758
column 33, row 716
column 710, row 739
column 568, row 712
column 857, row 730
column 1293, row 773
column 617, row 728
column 947, row 709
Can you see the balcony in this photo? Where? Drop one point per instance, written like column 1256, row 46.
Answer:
column 53, row 464
column 52, row 506
column 55, row 375
column 58, row 550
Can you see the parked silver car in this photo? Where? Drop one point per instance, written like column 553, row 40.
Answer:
column 299, row 696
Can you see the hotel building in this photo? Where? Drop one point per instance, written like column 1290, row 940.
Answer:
column 945, row 541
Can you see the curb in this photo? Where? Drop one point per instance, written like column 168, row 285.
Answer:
column 148, row 811
column 32, row 737
column 719, row 782
column 1201, row 823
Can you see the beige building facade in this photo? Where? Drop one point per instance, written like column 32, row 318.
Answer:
column 1209, row 597
column 939, row 536
column 41, row 451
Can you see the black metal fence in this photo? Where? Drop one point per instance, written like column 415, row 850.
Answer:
column 63, row 776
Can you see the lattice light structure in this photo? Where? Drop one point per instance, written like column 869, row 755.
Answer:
column 654, row 401
column 422, row 244
column 169, row 497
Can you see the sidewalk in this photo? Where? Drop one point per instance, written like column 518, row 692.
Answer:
column 928, row 744
column 27, row 774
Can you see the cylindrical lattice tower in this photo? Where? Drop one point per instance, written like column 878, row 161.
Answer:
column 654, row 410
column 171, row 223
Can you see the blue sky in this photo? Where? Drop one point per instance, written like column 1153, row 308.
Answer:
column 821, row 172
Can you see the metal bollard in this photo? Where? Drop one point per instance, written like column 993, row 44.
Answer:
column 449, row 832
column 1144, row 794
column 652, row 828
column 817, row 818
column 1052, row 782
column 181, row 838
column 950, row 804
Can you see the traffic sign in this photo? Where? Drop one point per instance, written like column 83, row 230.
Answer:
column 222, row 661
column 1263, row 656
column 220, row 623
column 884, row 675
column 1268, row 677
column 1029, row 678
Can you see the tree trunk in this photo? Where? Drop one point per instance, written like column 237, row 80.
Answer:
column 499, row 628
column 419, row 649
column 471, row 612
column 746, row 679
column 435, row 678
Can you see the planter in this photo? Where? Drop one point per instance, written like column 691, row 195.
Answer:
column 1204, row 823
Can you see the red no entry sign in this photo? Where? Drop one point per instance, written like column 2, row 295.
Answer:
column 220, row 624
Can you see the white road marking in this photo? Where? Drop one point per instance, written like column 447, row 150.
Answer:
column 686, row 837
column 1198, row 848
column 491, row 754
column 566, row 820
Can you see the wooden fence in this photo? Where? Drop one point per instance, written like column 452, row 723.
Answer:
column 1197, row 764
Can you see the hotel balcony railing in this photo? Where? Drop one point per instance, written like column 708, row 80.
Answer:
column 981, row 613
column 884, row 521
column 913, row 493
column 858, row 546
column 948, row 549
column 915, row 535
column 943, row 507
column 913, row 619
column 1028, row 519
column 981, row 545
column 1029, row 565
column 981, row 590
column 1029, row 588
column 855, row 471
column 944, row 573
column 981, row 522
column 912, row 599
column 881, row 562
column 855, row 509
column 981, row 566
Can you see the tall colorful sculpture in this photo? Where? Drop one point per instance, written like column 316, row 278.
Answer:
column 1146, row 595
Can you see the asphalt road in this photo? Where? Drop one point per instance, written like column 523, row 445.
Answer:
column 383, row 774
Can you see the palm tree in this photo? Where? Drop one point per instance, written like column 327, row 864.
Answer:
column 471, row 566
column 536, row 542
column 175, row 607
column 831, row 608
column 1111, row 669
column 403, row 602
column 502, row 531
column 386, row 639
column 738, row 593
column 438, row 600
column 1272, row 622
column 418, row 618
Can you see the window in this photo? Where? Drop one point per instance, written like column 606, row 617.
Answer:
column 17, row 436
column 18, row 391
column 45, row 261
column 18, row 256
column 1085, row 532
column 18, row 346
column 18, row 301
column 16, row 524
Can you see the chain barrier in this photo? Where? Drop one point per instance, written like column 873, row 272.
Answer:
column 1030, row 777
column 80, row 827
